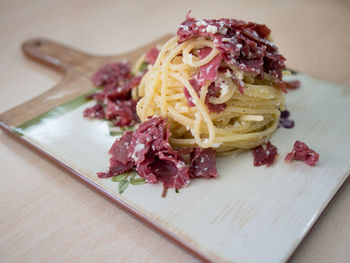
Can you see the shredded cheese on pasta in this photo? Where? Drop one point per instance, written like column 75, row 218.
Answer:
column 247, row 121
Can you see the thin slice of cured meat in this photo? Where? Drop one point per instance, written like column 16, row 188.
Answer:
column 97, row 111
column 152, row 55
column 117, row 82
column 171, row 169
column 213, row 91
column 146, row 169
column 217, row 108
column 195, row 85
column 242, row 44
column 264, row 155
column 147, row 150
column 120, row 148
column 209, row 71
column 292, row 84
column 203, row 163
column 115, row 168
column 161, row 161
column 122, row 112
column 111, row 75
column 301, row 152
column 119, row 162
column 239, row 82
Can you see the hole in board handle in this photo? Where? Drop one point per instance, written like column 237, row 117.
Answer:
column 37, row 43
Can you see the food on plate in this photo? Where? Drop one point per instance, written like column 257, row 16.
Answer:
column 215, row 87
column 114, row 101
column 292, row 84
column 117, row 81
column 284, row 121
column 147, row 150
column 301, row 152
column 219, row 84
column 264, row 154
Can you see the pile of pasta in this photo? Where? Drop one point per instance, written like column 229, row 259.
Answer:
column 248, row 120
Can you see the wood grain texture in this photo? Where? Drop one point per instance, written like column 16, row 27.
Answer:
column 77, row 68
column 50, row 216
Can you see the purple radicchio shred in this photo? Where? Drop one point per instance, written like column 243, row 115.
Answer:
column 284, row 120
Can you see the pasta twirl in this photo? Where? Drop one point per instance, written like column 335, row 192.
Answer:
column 208, row 101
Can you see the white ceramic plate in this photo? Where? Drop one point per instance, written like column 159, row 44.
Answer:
column 247, row 214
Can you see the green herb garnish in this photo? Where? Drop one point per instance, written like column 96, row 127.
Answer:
column 127, row 178
column 143, row 66
column 132, row 176
column 138, row 181
column 123, row 185
column 120, row 177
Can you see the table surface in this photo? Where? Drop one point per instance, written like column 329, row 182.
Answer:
column 49, row 216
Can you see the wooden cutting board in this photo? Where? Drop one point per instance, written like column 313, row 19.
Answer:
column 77, row 67
column 248, row 214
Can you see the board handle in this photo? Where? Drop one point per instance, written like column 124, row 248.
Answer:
column 55, row 55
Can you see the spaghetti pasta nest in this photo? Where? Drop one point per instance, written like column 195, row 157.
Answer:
column 246, row 121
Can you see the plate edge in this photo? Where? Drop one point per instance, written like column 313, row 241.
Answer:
column 8, row 129
column 109, row 196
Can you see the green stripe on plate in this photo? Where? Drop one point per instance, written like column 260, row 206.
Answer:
column 55, row 112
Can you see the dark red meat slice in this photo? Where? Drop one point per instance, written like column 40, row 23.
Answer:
column 120, row 148
column 115, row 168
column 117, row 82
column 165, row 164
column 135, row 81
column 238, row 82
column 217, row 108
column 196, row 87
column 96, row 111
column 242, row 44
column 293, row 84
column 209, row 71
column 301, row 152
column 140, row 146
column 120, row 162
column 203, row 52
column 264, row 155
column 121, row 92
column 152, row 122
column 188, row 98
column 152, row 55
column 171, row 169
column 148, row 151
column 203, row 163
column 122, row 113
column 145, row 169
column 213, row 90
column 112, row 74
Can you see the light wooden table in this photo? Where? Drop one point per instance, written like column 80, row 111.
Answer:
column 46, row 215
